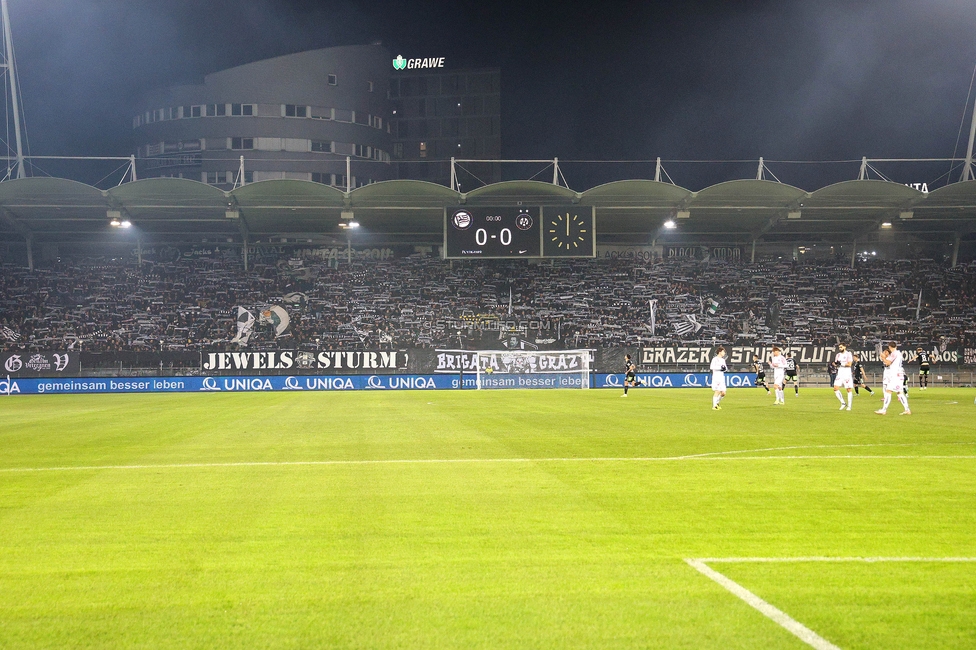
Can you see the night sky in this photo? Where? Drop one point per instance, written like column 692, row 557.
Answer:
column 791, row 80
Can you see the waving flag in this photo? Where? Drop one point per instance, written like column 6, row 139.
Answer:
column 245, row 325
column 687, row 324
column 278, row 318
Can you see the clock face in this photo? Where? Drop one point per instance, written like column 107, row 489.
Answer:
column 568, row 232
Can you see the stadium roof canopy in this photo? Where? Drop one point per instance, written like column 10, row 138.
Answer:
column 405, row 211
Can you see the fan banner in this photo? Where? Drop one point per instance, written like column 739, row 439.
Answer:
column 281, row 362
column 738, row 355
column 39, row 364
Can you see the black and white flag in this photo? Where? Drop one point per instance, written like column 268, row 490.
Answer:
column 245, row 325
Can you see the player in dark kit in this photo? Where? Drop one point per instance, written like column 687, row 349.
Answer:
column 792, row 367
column 760, row 371
column 924, row 366
column 859, row 376
column 630, row 375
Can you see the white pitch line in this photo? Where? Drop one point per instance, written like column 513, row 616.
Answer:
column 804, row 633
column 816, row 558
column 847, row 446
column 776, row 615
column 449, row 461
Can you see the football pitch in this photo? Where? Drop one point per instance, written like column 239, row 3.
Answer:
column 487, row 519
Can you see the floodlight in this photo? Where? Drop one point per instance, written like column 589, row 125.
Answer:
column 670, row 224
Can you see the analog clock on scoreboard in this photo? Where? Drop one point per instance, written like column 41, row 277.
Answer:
column 568, row 232
column 492, row 232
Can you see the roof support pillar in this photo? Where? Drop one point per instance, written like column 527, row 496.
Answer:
column 139, row 250
column 555, row 171
column 752, row 257
column 29, row 238
column 132, row 168
column 453, row 175
column 348, row 174
column 657, row 170
column 864, row 169
column 853, row 253
column 759, row 172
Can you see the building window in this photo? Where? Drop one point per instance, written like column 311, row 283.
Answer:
column 423, row 149
column 398, row 149
column 195, row 111
column 292, row 110
column 242, row 143
column 211, row 110
column 325, row 179
column 242, row 109
column 339, row 180
column 332, row 80
column 322, row 147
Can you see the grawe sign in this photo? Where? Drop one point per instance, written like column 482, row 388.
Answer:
column 401, row 63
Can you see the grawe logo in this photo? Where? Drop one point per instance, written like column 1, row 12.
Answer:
column 401, row 63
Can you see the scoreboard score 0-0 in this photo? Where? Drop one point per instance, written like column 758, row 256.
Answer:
column 519, row 232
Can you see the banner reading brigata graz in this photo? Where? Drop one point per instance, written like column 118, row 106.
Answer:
column 297, row 362
column 39, row 364
column 803, row 354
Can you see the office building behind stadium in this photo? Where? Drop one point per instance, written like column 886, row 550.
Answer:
column 298, row 116
column 340, row 116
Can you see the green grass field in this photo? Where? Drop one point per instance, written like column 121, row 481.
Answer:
column 492, row 519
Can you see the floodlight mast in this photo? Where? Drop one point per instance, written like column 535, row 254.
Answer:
column 12, row 73
column 967, row 169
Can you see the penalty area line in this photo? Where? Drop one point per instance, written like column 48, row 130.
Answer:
column 469, row 461
column 775, row 614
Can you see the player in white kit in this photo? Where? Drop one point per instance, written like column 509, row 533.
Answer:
column 778, row 363
column 894, row 379
column 718, row 368
column 844, row 360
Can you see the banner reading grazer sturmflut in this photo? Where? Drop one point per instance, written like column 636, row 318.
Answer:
column 674, row 355
column 296, row 362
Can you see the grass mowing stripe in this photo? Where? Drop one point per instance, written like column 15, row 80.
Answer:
column 445, row 461
column 776, row 615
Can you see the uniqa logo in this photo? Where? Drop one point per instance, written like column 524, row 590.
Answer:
column 399, row 63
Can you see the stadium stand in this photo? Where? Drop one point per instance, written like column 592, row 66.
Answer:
column 102, row 304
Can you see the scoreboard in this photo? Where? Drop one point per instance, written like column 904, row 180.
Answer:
column 519, row 232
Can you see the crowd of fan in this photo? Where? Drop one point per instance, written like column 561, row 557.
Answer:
column 190, row 303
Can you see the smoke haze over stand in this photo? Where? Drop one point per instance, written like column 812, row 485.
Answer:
column 699, row 80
